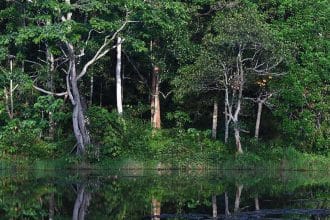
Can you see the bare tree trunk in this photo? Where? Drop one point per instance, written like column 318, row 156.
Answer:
column 91, row 91
column 256, row 133
column 238, row 197
column 11, row 91
column 214, row 206
column 51, row 62
column 78, row 117
column 155, row 102
column 256, row 202
column 155, row 209
column 215, row 120
column 9, row 95
column 118, row 78
column 226, row 205
column 238, row 140
column 227, row 122
column 81, row 204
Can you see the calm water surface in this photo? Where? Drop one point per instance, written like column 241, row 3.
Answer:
column 37, row 194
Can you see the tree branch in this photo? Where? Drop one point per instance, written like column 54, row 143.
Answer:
column 49, row 92
column 102, row 51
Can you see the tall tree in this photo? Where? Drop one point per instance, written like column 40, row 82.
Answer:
column 66, row 34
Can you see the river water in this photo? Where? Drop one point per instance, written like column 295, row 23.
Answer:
column 152, row 194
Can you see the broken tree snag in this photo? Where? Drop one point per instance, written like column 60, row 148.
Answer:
column 155, row 102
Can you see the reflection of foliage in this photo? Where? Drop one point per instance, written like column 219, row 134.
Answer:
column 128, row 195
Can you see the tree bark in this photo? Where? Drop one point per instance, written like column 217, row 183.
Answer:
column 227, row 123
column 118, row 78
column 238, row 140
column 215, row 120
column 214, row 206
column 256, row 133
column 155, row 102
column 91, row 91
column 51, row 63
column 9, row 95
column 78, row 117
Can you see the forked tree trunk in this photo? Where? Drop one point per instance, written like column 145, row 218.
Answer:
column 214, row 206
column 238, row 197
column 155, row 102
column 78, row 117
column 256, row 133
column 118, row 78
column 215, row 119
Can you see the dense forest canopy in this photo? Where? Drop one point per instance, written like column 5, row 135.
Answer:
column 139, row 77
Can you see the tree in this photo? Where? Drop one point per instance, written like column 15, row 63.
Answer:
column 65, row 34
column 237, row 50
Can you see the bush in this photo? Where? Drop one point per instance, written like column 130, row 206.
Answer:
column 117, row 136
column 23, row 137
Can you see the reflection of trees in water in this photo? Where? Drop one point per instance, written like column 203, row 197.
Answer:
column 129, row 195
column 51, row 204
column 238, row 197
column 155, row 209
column 82, row 202
column 214, row 206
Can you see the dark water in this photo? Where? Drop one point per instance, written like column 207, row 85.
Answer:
column 157, row 195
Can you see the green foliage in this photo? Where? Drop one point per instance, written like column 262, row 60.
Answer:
column 186, row 148
column 117, row 136
column 22, row 138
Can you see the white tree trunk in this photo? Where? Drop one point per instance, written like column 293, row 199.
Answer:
column 51, row 63
column 91, row 91
column 238, row 140
column 155, row 101
column 215, row 120
column 256, row 133
column 118, row 78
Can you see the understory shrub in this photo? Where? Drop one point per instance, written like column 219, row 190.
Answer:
column 23, row 138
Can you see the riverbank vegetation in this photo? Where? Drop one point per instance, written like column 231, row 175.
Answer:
column 166, row 84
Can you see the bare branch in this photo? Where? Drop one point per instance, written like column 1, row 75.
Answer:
column 102, row 50
column 165, row 96
column 49, row 92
